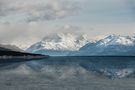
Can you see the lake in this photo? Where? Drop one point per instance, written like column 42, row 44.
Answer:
column 70, row 73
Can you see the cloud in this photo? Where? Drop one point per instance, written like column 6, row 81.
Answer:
column 35, row 10
column 10, row 32
column 26, row 21
column 67, row 28
column 29, row 33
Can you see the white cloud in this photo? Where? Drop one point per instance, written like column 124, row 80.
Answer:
column 25, row 20
column 29, row 33
column 34, row 10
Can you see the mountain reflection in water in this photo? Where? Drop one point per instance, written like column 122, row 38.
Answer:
column 70, row 73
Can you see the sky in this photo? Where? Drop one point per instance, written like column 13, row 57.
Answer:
column 28, row 21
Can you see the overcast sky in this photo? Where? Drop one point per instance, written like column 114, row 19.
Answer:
column 27, row 21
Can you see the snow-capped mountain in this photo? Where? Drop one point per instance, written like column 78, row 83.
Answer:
column 59, row 44
column 78, row 45
column 117, row 40
column 111, row 45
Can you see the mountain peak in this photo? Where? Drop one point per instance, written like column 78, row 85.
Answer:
column 113, row 36
column 117, row 40
column 63, row 44
column 60, row 42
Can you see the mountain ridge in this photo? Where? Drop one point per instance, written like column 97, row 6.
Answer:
column 60, row 44
column 110, row 45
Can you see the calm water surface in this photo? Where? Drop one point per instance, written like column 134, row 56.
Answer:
column 69, row 73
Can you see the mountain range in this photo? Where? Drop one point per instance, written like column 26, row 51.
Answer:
column 59, row 44
column 79, row 45
column 110, row 45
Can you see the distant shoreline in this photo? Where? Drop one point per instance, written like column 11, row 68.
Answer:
column 98, row 56
column 22, row 57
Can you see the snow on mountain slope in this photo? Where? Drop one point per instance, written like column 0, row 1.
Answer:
column 117, row 40
column 111, row 45
column 78, row 45
column 59, row 44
